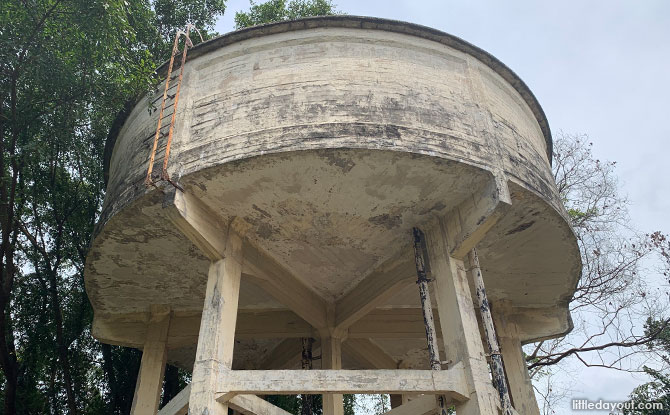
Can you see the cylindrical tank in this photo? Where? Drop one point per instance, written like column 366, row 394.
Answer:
column 331, row 138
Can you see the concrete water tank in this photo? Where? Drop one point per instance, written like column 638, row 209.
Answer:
column 325, row 141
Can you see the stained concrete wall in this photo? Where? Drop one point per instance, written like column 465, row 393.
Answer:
column 323, row 83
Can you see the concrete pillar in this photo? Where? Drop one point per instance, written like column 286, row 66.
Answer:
column 458, row 321
column 216, row 339
column 518, row 378
column 154, row 355
column 331, row 358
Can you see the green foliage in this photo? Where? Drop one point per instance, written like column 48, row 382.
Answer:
column 66, row 69
column 279, row 10
column 349, row 404
column 172, row 15
column 646, row 396
column 657, row 391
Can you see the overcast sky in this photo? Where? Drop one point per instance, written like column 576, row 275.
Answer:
column 599, row 67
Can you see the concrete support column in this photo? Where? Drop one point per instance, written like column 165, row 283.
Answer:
column 458, row 322
column 154, row 355
column 520, row 385
column 214, row 355
column 331, row 358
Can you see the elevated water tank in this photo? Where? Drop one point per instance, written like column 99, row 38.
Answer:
column 329, row 139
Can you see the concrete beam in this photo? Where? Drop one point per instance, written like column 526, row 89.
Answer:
column 375, row 289
column 422, row 405
column 244, row 404
column 202, row 226
column 472, row 218
column 253, row 405
column 287, row 354
column 177, row 405
column 450, row 382
column 285, row 287
column 369, row 354
column 130, row 330
column 395, row 323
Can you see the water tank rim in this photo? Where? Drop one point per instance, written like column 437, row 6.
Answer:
column 349, row 21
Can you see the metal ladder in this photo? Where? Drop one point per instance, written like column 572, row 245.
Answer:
column 170, row 100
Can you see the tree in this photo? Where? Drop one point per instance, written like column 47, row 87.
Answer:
column 279, row 10
column 66, row 69
column 621, row 285
column 653, row 398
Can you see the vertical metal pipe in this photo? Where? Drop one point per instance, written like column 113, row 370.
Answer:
column 497, row 368
column 427, row 308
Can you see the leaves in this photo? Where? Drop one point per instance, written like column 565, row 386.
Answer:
column 279, row 10
column 66, row 69
column 656, row 391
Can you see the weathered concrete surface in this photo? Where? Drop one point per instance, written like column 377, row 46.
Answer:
column 333, row 137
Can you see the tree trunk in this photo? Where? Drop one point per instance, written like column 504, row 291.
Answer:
column 8, row 226
column 8, row 361
column 171, row 384
column 62, row 345
column 108, row 368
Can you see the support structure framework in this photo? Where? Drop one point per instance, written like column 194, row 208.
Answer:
column 215, row 387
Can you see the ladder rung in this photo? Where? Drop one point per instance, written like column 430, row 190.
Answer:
column 176, row 71
column 165, row 108
column 170, row 87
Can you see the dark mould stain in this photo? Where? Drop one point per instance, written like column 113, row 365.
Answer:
column 391, row 131
column 521, row 227
column 201, row 186
column 437, row 207
column 251, row 220
column 322, row 221
column 266, row 231
column 342, row 162
column 261, row 211
column 386, row 220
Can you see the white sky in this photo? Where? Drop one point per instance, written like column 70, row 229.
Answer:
column 599, row 67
